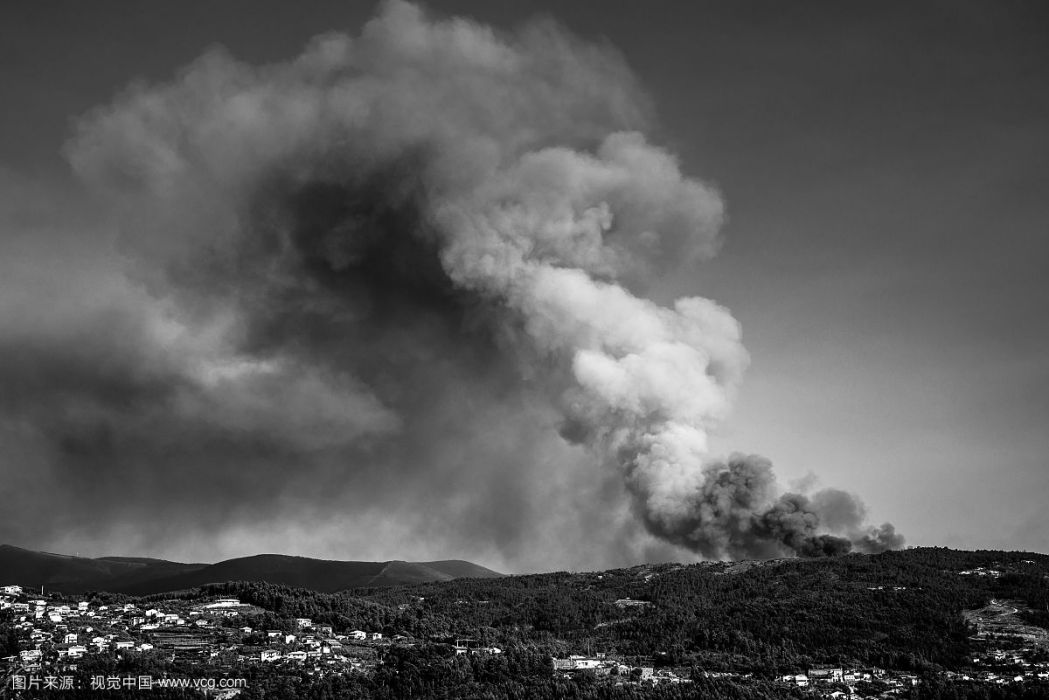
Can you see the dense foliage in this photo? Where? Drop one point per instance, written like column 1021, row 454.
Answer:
column 895, row 610
column 898, row 610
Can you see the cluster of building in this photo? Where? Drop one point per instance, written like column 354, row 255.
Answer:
column 981, row 571
column 1025, row 663
column 990, row 570
column 469, row 645
column 68, row 630
column 843, row 680
column 997, row 667
column 1000, row 677
column 1012, row 650
column 56, row 633
column 835, row 682
column 838, row 682
column 604, row 665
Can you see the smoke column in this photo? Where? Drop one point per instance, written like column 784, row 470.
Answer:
column 431, row 218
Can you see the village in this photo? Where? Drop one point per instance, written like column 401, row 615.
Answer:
column 1012, row 652
column 843, row 682
column 996, row 667
column 56, row 632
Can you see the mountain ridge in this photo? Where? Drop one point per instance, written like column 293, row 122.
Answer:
column 146, row 576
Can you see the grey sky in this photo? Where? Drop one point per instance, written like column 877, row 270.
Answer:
column 885, row 168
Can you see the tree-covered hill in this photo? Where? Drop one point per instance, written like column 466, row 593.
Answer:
column 895, row 610
column 713, row 629
column 143, row 576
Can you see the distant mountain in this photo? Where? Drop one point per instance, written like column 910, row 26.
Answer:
column 320, row 575
column 60, row 572
column 143, row 576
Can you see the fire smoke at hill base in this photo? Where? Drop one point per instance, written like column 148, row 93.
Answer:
column 351, row 266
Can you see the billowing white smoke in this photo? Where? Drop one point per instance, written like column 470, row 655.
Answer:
column 523, row 165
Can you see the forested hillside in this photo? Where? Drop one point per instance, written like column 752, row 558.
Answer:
column 767, row 616
column 720, row 629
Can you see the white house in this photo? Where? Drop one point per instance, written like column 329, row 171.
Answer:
column 297, row 656
column 376, row 635
column 303, row 622
column 358, row 634
column 124, row 644
column 269, row 655
column 70, row 638
column 583, row 662
column 76, row 651
column 828, row 674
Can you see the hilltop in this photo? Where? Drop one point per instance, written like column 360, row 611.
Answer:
column 144, row 576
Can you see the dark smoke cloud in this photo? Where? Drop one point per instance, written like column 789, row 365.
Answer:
column 735, row 509
column 388, row 298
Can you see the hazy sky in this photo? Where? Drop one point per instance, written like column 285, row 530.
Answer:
column 885, row 168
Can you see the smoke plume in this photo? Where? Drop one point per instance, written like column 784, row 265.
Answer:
column 733, row 509
column 407, row 267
